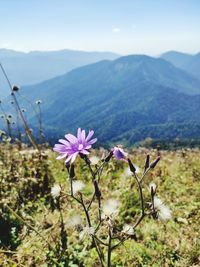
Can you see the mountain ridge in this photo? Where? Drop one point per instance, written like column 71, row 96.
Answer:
column 116, row 98
column 188, row 62
column 36, row 66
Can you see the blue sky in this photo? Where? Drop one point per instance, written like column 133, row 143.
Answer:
column 122, row 26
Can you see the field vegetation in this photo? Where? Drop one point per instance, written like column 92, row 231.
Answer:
column 39, row 229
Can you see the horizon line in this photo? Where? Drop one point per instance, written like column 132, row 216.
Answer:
column 95, row 51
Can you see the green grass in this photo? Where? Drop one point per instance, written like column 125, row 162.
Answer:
column 25, row 183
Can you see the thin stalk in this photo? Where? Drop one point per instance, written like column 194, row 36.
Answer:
column 144, row 174
column 141, row 198
column 93, row 178
column 99, row 207
column 27, row 129
column 118, row 244
column 91, row 201
column 40, row 123
column 140, row 191
column 100, row 241
column 99, row 252
column 6, row 120
column 32, row 106
column 30, row 103
column 27, row 224
column 17, row 123
column 109, row 248
column 7, row 251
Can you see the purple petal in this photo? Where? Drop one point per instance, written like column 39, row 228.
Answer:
column 62, row 156
column 59, row 145
column 68, row 158
column 79, row 134
column 64, row 142
column 92, row 141
column 90, row 134
column 83, row 136
column 71, row 138
column 85, row 152
column 60, row 149
column 74, row 157
column 119, row 153
column 88, row 147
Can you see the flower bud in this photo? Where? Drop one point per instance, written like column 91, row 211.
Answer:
column 154, row 163
column 131, row 166
column 146, row 165
column 119, row 153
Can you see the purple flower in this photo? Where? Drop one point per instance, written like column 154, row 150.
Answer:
column 73, row 145
column 119, row 153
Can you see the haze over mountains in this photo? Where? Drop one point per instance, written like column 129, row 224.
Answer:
column 187, row 62
column 123, row 100
column 37, row 66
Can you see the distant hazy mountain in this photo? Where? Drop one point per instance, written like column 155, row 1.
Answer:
column 37, row 66
column 129, row 99
column 187, row 62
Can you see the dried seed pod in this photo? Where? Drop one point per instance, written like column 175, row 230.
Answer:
column 38, row 102
column 15, row 88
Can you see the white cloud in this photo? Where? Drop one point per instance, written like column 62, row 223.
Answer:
column 116, row 30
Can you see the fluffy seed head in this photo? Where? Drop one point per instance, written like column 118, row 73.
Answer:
column 55, row 191
column 77, row 186
column 163, row 212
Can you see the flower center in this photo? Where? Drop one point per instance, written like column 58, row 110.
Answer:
column 80, row 146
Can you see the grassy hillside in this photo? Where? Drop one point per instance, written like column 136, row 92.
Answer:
column 30, row 221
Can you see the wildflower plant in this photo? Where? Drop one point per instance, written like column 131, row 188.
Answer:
column 104, row 217
column 14, row 89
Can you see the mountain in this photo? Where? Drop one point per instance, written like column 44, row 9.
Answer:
column 37, row 66
column 187, row 62
column 128, row 99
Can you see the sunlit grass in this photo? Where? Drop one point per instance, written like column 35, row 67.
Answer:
column 26, row 180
